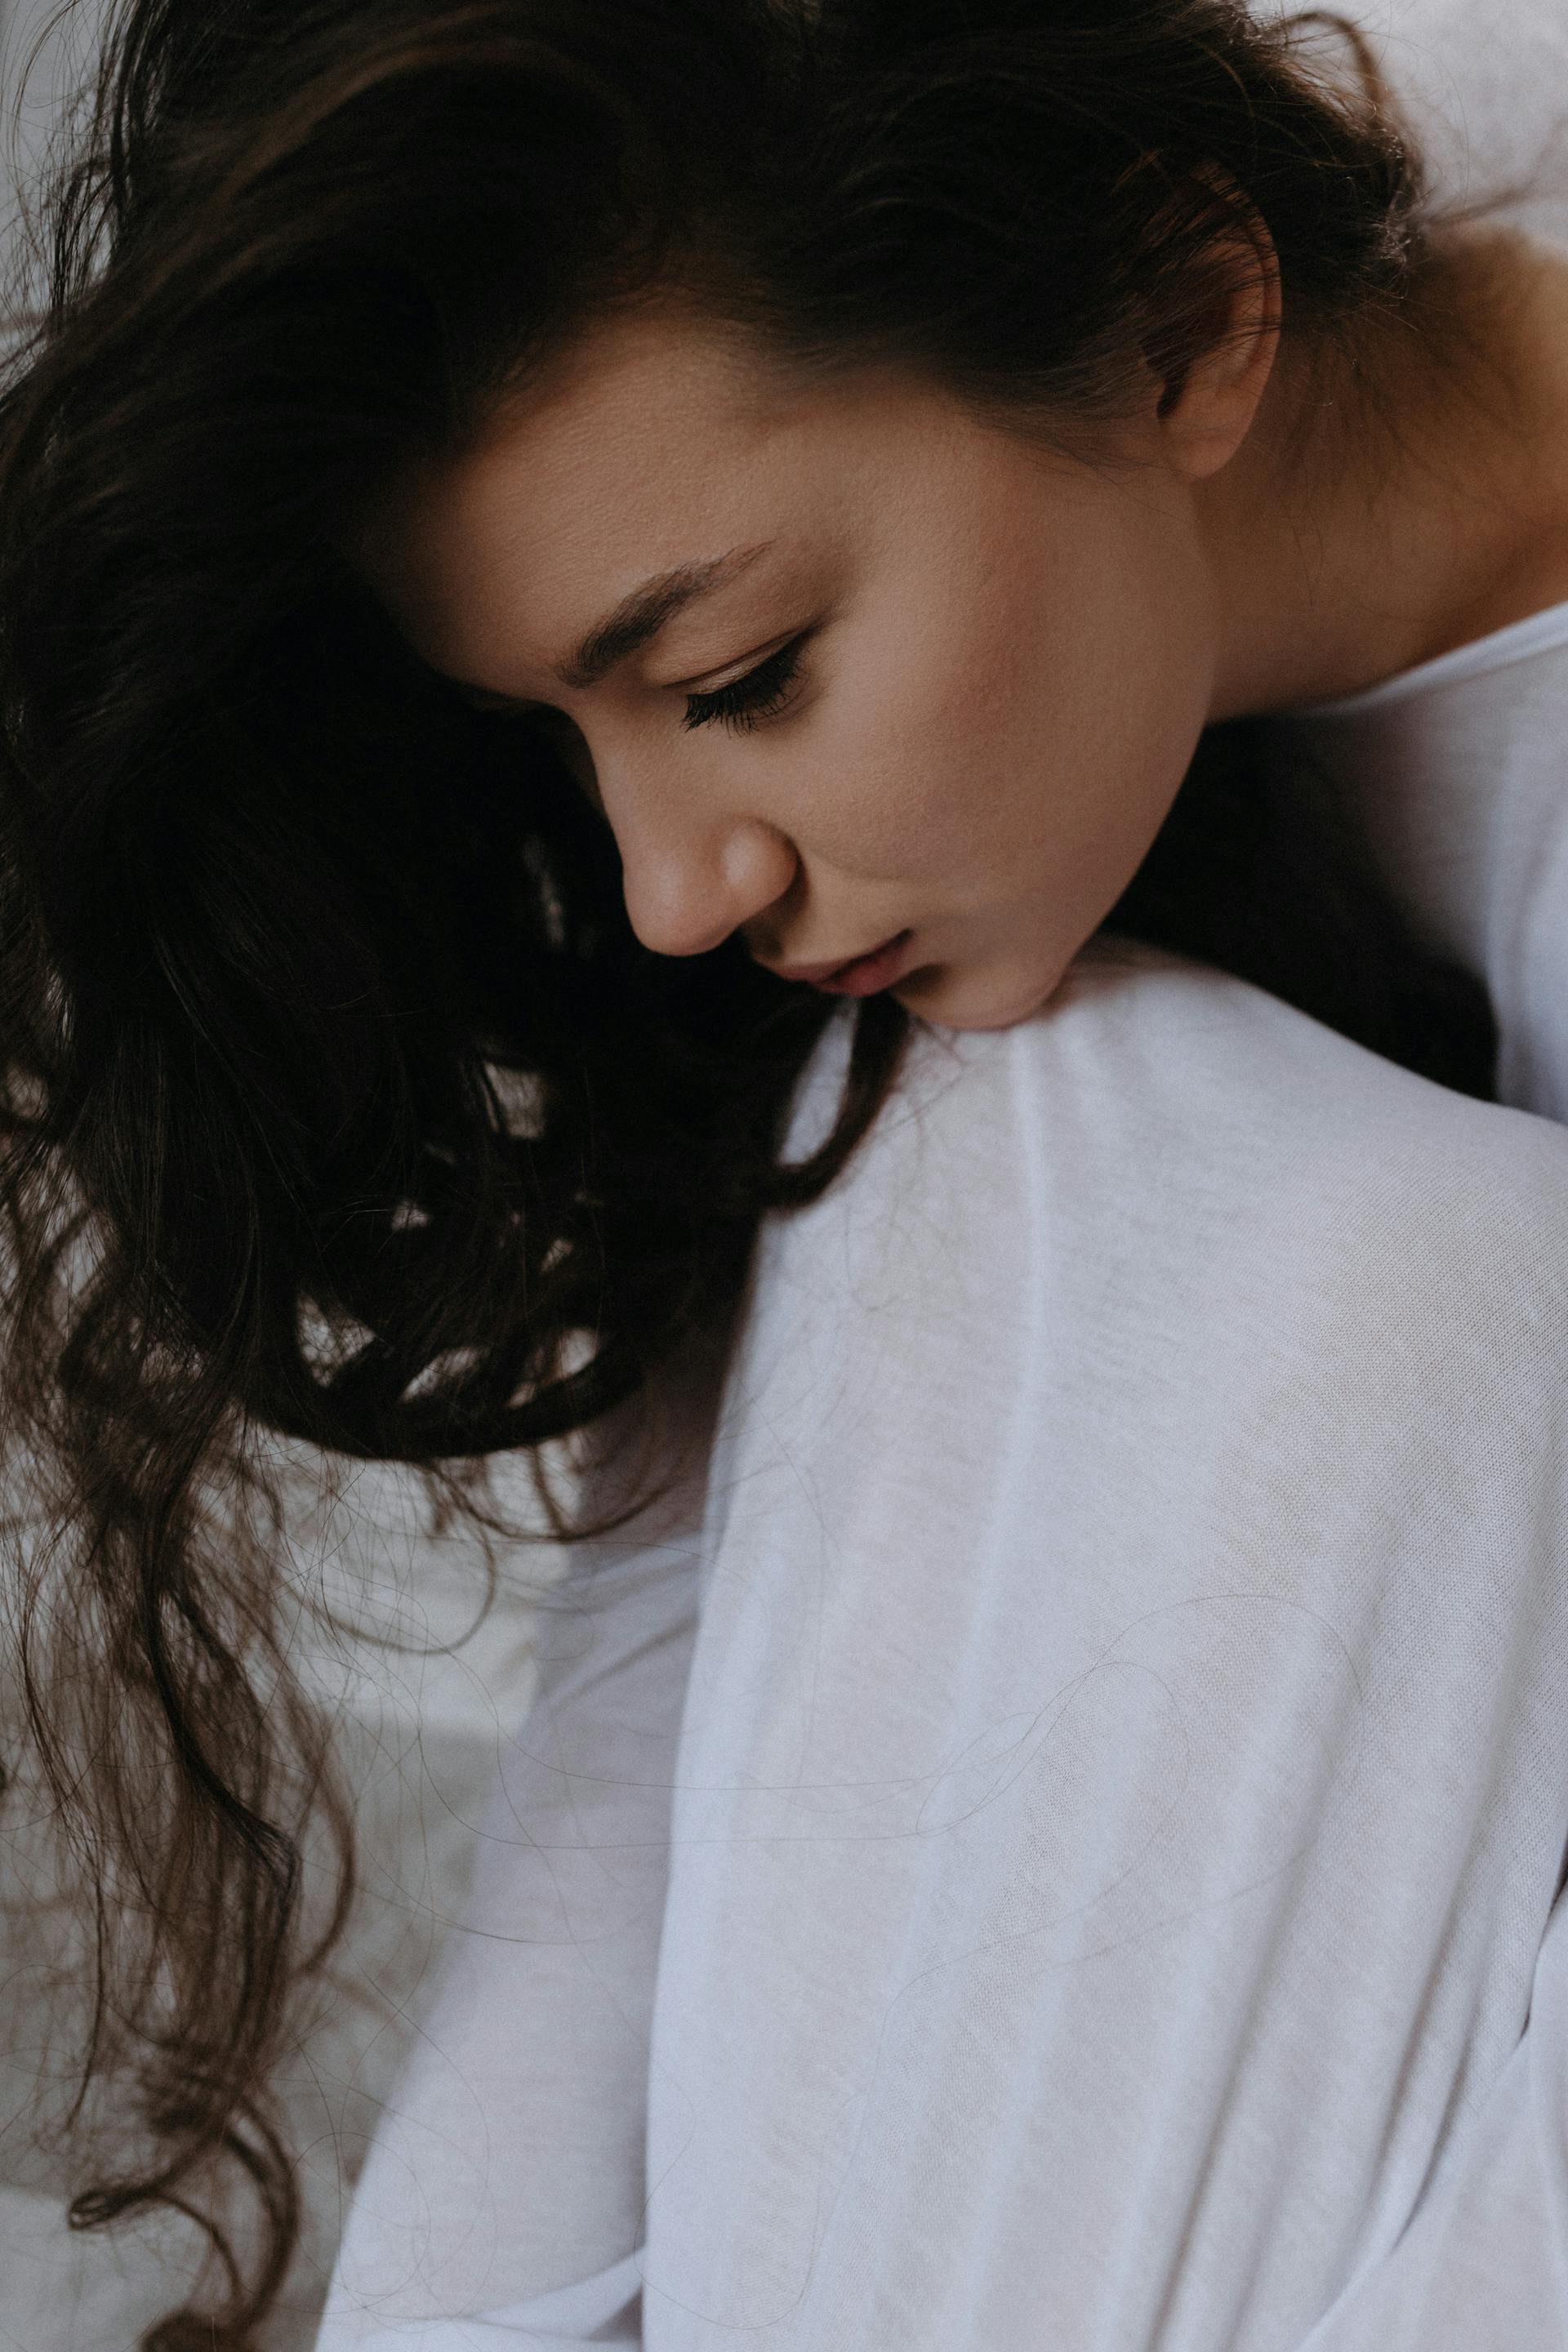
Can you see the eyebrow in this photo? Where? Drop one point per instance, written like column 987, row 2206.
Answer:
column 638, row 618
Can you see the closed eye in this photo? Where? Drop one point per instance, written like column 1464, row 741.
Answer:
column 741, row 705
column 746, row 702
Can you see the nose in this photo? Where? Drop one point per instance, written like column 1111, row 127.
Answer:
column 686, row 891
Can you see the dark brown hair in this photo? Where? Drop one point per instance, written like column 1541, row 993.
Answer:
column 338, row 1098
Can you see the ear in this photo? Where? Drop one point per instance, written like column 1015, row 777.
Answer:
column 1206, row 409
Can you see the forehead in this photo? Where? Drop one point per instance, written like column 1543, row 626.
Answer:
column 645, row 407
column 653, row 440
column 648, row 442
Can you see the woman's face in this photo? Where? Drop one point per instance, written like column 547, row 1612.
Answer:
column 982, row 670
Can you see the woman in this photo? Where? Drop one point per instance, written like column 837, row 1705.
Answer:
column 993, row 396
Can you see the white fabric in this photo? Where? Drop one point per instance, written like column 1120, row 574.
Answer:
column 1457, row 774
column 1063, row 1851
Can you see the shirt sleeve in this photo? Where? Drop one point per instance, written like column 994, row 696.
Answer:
column 501, row 2197
column 1482, row 2263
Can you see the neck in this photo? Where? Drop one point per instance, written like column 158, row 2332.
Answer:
column 1388, row 508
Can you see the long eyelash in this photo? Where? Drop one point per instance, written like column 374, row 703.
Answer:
column 746, row 701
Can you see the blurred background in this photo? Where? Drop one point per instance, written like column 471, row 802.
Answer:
column 421, row 1714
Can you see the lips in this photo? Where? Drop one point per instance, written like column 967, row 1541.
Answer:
column 861, row 975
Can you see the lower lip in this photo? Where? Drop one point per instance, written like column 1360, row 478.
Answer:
column 869, row 973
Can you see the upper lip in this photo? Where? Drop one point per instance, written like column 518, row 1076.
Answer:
column 814, row 971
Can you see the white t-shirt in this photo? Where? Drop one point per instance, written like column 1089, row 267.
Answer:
column 1457, row 775
column 1059, row 1845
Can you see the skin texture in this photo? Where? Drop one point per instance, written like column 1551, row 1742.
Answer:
column 1011, row 654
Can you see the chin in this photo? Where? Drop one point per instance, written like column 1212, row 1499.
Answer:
column 948, row 1004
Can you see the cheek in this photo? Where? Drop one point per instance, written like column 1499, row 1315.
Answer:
column 1098, row 719
column 1120, row 749
column 1039, row 764
column 922, row 771
column 1004, row 728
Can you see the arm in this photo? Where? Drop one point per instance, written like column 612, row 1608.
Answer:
column 504, row 2192
column 1482, row 2263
